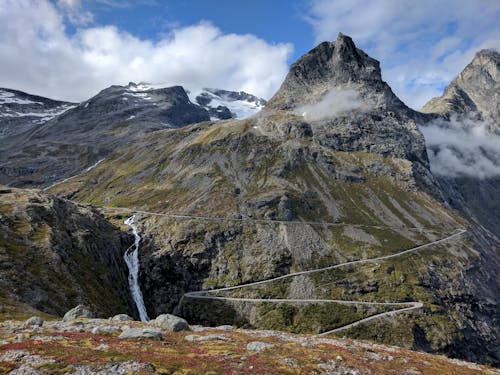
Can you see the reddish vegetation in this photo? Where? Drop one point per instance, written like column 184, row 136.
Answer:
column 289, row 354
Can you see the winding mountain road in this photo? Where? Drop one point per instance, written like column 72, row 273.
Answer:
column 251, row 220
column 207, row 294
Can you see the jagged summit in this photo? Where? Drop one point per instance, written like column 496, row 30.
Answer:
column 475, row 91
column 338, row 90
column 330, row 65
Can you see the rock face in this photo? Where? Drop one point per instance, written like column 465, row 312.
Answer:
column 474, row 92
column 333, row 169
column 55, row 254
column 469, row 111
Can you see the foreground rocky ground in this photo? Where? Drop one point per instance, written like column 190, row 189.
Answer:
column 166, row 345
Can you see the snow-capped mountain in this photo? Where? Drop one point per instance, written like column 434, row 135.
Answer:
column 20, row 111
column 80, row 135
column 223, row 104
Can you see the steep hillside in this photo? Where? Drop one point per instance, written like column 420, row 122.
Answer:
column 333, row 169
column 55, row 254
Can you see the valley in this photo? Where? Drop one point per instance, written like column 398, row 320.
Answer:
column 306, row 217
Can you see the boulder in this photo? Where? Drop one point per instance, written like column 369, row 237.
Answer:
column 121, row 318
column 258, row 346
column 136, row 333
column 79, row 311
column 170, row 323
column 34, row 321
column 104, row 329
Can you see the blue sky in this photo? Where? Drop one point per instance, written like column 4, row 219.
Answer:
column 282, row 21
column 71, row 49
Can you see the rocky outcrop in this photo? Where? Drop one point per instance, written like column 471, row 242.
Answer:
column 55, row 254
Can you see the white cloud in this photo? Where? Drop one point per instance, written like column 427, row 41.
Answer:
column 38, row 56
column 75, row 13
column 422, row 44
column 462, row 147
column 336, row 102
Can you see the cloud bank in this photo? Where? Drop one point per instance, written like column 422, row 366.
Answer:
column 336, row 102
column 421, row 44
column 38, row 56
column 462, row 147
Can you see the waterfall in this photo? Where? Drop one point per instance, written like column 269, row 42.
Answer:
column 131, row 257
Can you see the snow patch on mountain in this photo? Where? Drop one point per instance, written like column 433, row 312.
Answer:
column 222, row 104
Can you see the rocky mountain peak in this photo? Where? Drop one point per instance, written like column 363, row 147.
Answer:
column 474, row 92
column 334, row 65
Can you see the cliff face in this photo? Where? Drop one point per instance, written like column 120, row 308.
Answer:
column 55, row 254
column 335, row 146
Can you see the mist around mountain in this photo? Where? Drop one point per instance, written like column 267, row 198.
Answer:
column 463, row 141
column 334, row 191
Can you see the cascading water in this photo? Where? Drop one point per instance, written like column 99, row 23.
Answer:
column 131, row 257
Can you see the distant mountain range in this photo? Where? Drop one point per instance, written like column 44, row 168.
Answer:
column 79, row 135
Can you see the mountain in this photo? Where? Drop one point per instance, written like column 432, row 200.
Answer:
column 223, row 104
column 20, row 112
column 464, row 140
column 38, row 154
column 474, row 92
column 334, row 169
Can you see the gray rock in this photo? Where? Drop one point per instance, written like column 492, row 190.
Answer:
column 210, row 337
column 34, row 321
column 225, row 327
column 104, row 329
column 77, row 312
column 121, row 318
column 170, row 322
column 136, row 333
column 258, row 346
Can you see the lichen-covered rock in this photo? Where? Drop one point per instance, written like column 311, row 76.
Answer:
column 136, row 333
column 104, row 329
column 258, row 346
column 121, row 318
column 35, row 321
column 170, row 322
column 77, row 312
